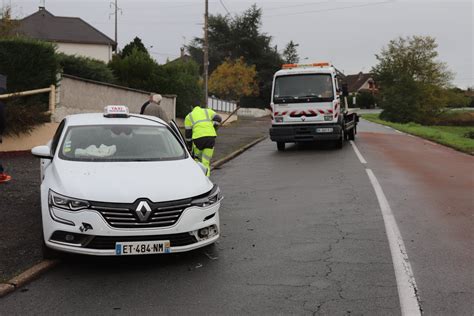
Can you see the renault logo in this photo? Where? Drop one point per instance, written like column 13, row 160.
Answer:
column 143, row 211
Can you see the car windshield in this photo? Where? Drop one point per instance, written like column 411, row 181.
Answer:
column 303, row 88
column 120, row 143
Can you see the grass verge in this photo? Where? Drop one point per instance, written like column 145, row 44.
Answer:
column 456, row 137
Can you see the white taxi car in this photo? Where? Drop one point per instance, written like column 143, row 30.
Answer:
column 123, row 184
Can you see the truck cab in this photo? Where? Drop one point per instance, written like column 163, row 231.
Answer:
column 306, row 106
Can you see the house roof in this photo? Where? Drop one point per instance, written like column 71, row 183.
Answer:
column 184, row 58
column 44, row 25
column 355, row 82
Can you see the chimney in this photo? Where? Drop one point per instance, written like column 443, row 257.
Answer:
column 182, row 52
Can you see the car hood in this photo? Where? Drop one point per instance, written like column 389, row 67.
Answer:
column 124, row 182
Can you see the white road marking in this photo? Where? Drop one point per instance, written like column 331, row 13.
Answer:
column 387, row 127
column 406, row 285
column 359, row 155
column 399, row 131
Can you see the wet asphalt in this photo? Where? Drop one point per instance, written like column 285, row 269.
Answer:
column 302, row 233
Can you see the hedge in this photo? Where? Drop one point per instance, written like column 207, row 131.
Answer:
column 28, row 64
column 86, row 68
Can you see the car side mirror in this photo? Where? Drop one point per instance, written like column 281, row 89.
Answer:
column 345, row 91
column 42, row 152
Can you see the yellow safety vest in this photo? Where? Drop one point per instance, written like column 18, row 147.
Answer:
column 200, row 121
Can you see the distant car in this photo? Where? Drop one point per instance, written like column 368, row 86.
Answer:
column 121, row 184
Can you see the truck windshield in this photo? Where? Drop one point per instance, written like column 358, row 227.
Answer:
column 303, row 88
column 120, row 143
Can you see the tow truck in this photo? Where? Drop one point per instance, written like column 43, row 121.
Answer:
column 306, row 106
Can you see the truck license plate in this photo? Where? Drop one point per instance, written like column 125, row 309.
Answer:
column 324, row 130
column 142, row 247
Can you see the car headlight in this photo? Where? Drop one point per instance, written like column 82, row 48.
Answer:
column 67, row 203
column 210, row 198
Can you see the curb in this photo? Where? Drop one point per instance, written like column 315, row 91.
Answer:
column 45, row 265
column 234, row 154
column 26, row 276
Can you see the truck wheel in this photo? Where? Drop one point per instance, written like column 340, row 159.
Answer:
column 351, row 134
column 340, row 141
column 280, row 146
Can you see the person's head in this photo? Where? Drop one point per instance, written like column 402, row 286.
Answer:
column 156, row 98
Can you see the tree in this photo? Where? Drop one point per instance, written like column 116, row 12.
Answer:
column 135, row 44
column 181, row 78
column 240, row 36
column 233, row 79
column 137, row 70
column 412, row 81
column 7, row 24
column 290, row 54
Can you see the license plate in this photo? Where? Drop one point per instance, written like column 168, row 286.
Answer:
column 325, row 130
column 142, row 247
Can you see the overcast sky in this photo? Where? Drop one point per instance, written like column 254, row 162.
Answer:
column 348, row 33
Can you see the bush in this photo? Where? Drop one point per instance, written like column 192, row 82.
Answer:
column 22, row 117
column 86, row 68
column 28, row 64
column 181, row 78
column 410, row 101
column 365, row 100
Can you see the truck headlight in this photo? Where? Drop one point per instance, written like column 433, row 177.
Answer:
column 279, row 119
column 66, row 203
column 210, row 198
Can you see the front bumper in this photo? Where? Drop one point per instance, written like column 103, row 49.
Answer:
column 101, row 237
column 303, row 133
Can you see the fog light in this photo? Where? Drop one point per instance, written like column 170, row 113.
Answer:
column 69, row 238
column 203, row 232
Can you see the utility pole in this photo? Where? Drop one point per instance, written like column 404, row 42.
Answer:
column 206, row 51
column 116, row 9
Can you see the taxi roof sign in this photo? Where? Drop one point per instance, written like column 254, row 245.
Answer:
column 116, row 111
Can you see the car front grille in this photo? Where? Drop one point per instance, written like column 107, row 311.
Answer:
column 125, row 215
column 108, row 242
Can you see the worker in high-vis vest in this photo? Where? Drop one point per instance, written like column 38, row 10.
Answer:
column 201, row 134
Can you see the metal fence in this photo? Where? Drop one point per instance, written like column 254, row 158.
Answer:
column 221, row 105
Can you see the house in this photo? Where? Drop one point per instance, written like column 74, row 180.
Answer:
column 183, row 57
column 73, row 36
column 361, row 82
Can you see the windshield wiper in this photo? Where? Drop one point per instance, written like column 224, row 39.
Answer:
column 285, row 97
column 310, row 96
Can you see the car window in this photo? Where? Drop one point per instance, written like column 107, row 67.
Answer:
column 297, row 88
column 120, row 143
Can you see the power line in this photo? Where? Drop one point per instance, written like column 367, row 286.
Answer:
column 331, row 9
column 297, row 5
column 223, row 5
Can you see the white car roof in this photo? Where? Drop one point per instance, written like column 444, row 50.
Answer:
column 99, row 119
column 305, row 70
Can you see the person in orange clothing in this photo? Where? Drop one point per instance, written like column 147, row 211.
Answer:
column 3, row 176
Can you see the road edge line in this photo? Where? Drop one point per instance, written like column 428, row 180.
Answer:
column 358, row 154
column 406, row 285
column 234, row 154
column 26, row 276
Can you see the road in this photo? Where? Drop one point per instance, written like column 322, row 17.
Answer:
column 302, row 233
